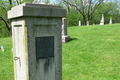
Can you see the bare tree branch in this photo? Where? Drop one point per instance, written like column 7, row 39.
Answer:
column 5, row 24
column 85, row 7
column 17, row 2
column 3, row 8
column 10, row 1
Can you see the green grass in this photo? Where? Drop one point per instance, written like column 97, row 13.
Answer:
column 6, row 60
column 93, row 53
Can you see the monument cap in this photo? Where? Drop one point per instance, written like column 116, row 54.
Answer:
column 36, row 10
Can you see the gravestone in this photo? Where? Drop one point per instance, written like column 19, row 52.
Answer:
column 65, row 37
column 36, row 41
column 2, row 48
column 110, row 20
column 87, row 23
column 79, row 23
column 102, row 20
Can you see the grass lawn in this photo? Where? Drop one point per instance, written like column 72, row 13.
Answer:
column 93, row 53
column 6, row 60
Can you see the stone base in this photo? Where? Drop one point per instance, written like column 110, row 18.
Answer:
column 110, row 22
column 101, row 23
column 65, row 38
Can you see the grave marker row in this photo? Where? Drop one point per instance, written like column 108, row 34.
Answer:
column 101, row 22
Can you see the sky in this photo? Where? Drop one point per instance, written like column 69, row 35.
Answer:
column 112, row 0
column 52, row 1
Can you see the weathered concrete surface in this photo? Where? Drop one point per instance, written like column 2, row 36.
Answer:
column 102, row 20
column 28, row 22
column 65, row 37
column 20, row 53
column 64, row 26
column 36, row 10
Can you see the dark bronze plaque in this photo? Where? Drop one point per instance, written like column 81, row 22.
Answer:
column 44, row 47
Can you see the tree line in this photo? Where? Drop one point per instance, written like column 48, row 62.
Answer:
column 6, row 5
column 91, row 10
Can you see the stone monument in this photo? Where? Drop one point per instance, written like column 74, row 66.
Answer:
column 65, row 37
column 2, row 48
column 102, row 20
column 87, row 23
column 110, row 20
column 36, row 40
column 79, row 23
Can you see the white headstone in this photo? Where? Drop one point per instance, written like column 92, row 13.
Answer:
column 2, row 48
column 110, row 20
column 102, row 20
column 87, row 23
column 79, row 23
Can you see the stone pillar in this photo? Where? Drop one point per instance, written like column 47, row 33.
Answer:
column 87, row 23
column 36, row 40
column 110, row 20
column 102, row 20
column 65, row 37
column 79, row 23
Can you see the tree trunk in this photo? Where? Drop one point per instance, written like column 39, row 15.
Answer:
column 6, row 25
column 84, row 19
column 9, row 22
column 10, row 1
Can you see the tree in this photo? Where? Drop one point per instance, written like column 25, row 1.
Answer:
column 6, row 5
column 67, row 6
column 109, row 9
column 85, row 7
column 3, row 15
column 73, row 17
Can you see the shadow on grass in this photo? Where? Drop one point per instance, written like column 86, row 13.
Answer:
column 72, row 39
